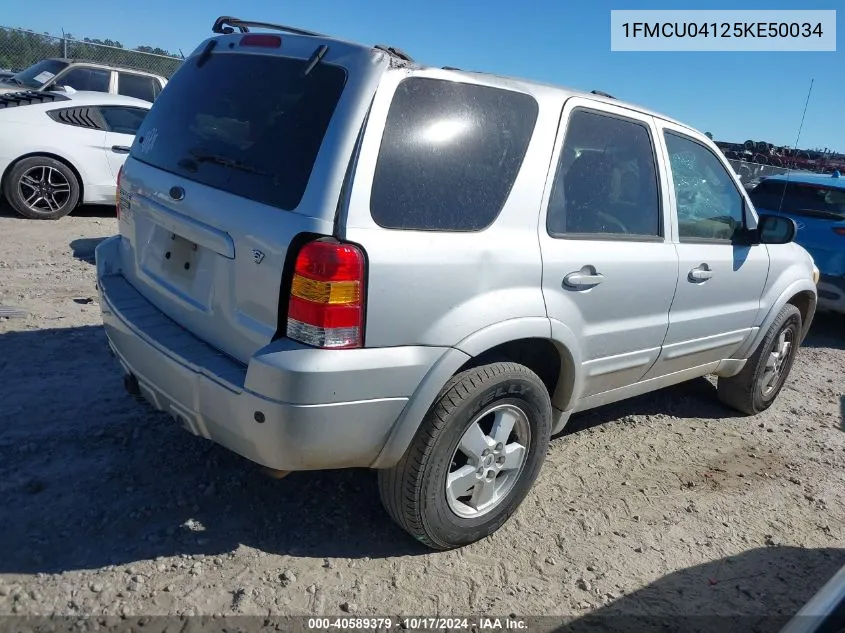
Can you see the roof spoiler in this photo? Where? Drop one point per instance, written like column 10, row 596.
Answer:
column 226, row 25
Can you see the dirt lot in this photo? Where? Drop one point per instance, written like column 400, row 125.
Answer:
column 667, row 504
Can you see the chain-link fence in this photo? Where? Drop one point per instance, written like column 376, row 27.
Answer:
column 751, row 173
column 20, row 49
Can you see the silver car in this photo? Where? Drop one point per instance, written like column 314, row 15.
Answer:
column 368, row 262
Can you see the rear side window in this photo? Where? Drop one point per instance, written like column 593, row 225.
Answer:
column 251, row 125
column 606, row 181
column 449, row 155
column 136, row 86
column 122, row 119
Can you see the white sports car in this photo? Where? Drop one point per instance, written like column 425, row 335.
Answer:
column 59, row 150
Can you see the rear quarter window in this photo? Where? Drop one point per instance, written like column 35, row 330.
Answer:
column 449, row 155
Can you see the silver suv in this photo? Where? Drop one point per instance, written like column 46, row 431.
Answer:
column 371, row 263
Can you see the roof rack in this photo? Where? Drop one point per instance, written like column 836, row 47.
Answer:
column 226, row 25
column 600, row 93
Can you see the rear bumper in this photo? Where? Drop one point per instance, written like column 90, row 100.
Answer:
column 291, row 408
column 831, row 292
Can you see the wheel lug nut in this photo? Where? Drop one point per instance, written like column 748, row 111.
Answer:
column 499, row 447
column 501, row 460
column 485, row 452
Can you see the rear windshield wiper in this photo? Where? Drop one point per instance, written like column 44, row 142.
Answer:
column 203, row 157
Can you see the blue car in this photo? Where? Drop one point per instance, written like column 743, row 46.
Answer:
column 817, row 204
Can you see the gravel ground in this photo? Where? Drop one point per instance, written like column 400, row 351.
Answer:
column 666, row 504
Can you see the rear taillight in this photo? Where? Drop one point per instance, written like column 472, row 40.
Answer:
column 326, row 307
column 117, row 192
column 839, row 230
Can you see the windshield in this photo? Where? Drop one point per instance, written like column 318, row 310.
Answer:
column 800, row 198
column 38, row 74
column 251, row 125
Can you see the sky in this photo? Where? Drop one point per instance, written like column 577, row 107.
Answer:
column 735, row 95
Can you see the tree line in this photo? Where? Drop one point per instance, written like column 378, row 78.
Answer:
column 20, row 49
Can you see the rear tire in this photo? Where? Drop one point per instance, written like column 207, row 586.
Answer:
column 474, row 458
column 42, row 188
column 755, row 388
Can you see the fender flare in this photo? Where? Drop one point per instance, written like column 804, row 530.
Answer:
column 801, row 285
column 448, row 365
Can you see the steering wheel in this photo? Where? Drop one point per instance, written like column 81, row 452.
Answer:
column 606, row 218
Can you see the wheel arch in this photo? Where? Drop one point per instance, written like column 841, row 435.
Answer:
column 805, row 301
column 62, row 159
column 801, row 294
column 527, row 341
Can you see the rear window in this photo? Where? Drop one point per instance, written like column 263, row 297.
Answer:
column 137, row 86
column 251, row 125
column 449, row 155
column 800, row 198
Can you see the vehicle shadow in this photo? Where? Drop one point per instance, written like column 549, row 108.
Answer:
column 94, row 211
column 758, row 590
column 83, row 248
column 89, row 477
column 692, row 399
column 85, row 211
column 827, row 330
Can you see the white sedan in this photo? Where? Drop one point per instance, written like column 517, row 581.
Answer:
column 59, row 150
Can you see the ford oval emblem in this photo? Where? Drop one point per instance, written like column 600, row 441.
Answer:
column 177, row 193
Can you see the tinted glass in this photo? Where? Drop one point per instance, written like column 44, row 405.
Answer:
column 449, row 155
column 136, row 86
column 709, row 204
column 800, row 198
column 251, row 125
column 86, row 79
column 606, row 181
column 123, row 120
column 38, row 74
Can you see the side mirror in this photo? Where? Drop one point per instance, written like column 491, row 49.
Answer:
column 776, row 229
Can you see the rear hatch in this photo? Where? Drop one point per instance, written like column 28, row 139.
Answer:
column 242, row 156
column 818, row 208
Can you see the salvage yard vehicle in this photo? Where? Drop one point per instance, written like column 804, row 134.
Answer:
column 84, row 76
column 373, row 263
column 817, row 204
column 60, row 150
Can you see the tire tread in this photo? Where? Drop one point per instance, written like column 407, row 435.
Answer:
column 400, row 486
column 738, row 391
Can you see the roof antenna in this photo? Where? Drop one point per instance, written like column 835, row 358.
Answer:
column 800, row 127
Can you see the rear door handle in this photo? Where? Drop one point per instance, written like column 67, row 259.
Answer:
column 700, row 273
column 120, row 149
column 587, row 277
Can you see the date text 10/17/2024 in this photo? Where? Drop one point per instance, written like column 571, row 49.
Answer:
column 417, row 624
